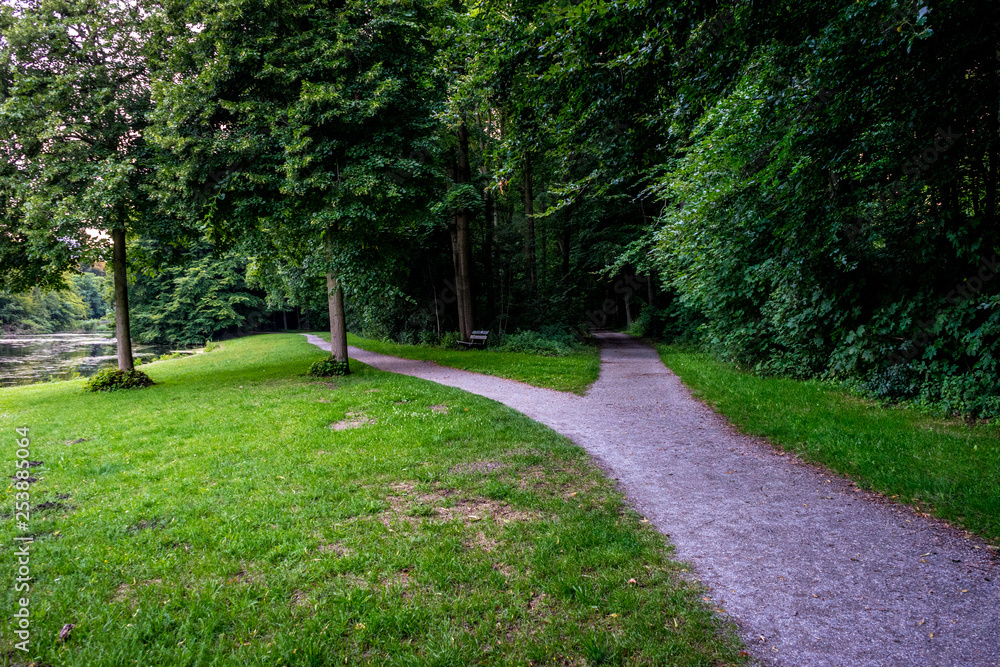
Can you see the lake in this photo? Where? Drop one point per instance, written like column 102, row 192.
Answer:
column 37, row 358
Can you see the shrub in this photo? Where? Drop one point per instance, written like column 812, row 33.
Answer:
column 406, row 337
column 449, row 340
column 642, row 325
column 552, row 341
column 329, row 366
column 167, row 356
column 112, row 379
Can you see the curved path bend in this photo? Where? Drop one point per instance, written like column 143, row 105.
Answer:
column 814, row 571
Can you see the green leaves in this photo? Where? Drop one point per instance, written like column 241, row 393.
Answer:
column 315, row 113
column 72, row 117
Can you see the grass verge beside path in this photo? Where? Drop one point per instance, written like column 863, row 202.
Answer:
column 941, row 466
column 575, row 372
column 240, row 513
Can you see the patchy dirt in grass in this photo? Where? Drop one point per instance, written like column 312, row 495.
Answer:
column 337, row 549
column 50, row 505
column 440, row 505
column 353, row 420
column 248, row 576
column 352, row 580
column 581, row 485
column 504, row 569
column 443, row 409
column 402, row 579
column 328, row 385
column 481, row 541
column 484, row 467
column 146, row 524
column 300, row 600
column 129, row 593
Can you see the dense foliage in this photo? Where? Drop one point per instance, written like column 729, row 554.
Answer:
column 195, row 300
column 328, row 367
column 45, row 311
column 808, row 190
column 112, row 379
column 832, row 207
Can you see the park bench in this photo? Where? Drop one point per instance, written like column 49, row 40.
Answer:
column 477, row 339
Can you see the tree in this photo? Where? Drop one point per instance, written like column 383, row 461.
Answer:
column 193, row 300
column 306, row 127
column 74, row 101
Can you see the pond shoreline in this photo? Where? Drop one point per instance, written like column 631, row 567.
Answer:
column 32, row 358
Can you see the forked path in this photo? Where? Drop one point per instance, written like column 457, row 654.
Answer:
column 814, row 571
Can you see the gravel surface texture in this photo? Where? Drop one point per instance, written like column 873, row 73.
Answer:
column 813, row 570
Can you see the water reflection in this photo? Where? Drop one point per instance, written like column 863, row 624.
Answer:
column 37, row 358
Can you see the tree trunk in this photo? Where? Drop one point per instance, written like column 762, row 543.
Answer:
column 284, row 317
column 563, row 242
column 490, row 223
column 529, row 227
column 338, row 323
column 461, row 250
column 123, row 330
column 542, row 247
column 992, row 176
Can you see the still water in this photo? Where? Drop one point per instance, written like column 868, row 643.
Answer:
column 37, row 358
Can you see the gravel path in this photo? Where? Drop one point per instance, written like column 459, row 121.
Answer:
column 814, row 571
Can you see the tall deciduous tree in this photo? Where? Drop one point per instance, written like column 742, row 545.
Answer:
column 73, row 110
column 304, row 126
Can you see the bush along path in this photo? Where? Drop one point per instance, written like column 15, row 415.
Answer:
column 813, row 569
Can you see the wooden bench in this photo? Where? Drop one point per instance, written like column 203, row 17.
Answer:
column 477, row 339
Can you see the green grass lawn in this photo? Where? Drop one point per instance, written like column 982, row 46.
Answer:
column 939, row 465
column 574, row 372
column 241, row 513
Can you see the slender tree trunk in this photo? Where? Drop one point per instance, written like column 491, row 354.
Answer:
column 461, row 250
column 338, row 323
column 542, row 245
column 437, row 315
column 563, row 242
column 529, row 227
column 992, row 176
column 284, row 317
column 489, row 224
column 123, row 329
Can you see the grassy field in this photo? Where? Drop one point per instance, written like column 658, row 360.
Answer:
column 941, row 466
column 574, row 372
column 241, row 513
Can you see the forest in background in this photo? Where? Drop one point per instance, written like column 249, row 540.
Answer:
column 808, row 190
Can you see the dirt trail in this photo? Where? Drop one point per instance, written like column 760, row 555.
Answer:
column 814, row 571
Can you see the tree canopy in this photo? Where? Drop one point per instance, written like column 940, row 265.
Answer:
column 807, row 189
